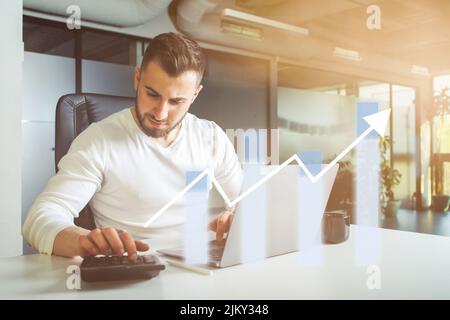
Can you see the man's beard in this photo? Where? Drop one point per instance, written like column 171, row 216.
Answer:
column 153, row 132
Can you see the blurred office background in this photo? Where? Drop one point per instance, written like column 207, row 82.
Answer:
column 305, row 81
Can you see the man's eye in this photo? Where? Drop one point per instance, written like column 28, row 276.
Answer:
column 176, row 102
column 153, row 95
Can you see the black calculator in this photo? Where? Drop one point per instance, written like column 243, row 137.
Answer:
column 110, row 268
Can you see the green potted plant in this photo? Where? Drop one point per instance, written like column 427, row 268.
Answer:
column 440, row 201
column 390, row 178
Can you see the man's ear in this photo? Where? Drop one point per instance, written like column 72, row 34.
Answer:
column 137, row 77
column 197, row 91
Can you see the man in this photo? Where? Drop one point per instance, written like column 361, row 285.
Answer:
column 131, row 164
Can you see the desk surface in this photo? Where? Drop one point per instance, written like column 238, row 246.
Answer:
column 411, row 266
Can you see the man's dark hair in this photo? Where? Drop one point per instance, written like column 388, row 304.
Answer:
column 176, row 53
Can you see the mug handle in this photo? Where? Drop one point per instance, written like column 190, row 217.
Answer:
column 347, row 220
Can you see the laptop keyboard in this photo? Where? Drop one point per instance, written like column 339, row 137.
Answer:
column 215, row 251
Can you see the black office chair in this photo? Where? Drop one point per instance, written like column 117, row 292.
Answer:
column 74, row 113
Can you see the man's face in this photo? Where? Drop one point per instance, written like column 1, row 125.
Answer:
column 162, row 101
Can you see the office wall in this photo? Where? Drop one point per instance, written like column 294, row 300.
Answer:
column 11, row 57
column 45, row 79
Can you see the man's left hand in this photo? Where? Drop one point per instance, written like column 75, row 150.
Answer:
column 221, row 224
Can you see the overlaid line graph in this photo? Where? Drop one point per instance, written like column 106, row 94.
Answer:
column 377, row 121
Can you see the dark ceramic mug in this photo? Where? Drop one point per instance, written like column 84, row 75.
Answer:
column 335, row 226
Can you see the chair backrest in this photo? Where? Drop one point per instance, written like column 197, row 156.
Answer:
column 74, row 113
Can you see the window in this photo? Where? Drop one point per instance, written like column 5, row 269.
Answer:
column 403, row 115
column 441, row 140
column 403, row 135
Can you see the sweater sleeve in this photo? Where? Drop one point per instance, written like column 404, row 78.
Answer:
column 80, row 175
column 228, row 170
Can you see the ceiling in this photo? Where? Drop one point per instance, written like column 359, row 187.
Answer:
column 416, row 31
column 119, row 13
column 413, row 32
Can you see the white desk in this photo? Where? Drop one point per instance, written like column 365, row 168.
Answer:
column 412, row 265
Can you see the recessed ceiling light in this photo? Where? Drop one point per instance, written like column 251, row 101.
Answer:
column 420, row 70
column 347, row 54
column 242, row 31
column 228, row 13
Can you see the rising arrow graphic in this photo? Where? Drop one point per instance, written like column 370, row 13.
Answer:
column 377, row 121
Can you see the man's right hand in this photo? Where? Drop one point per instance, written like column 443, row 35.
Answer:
column 75, row 241
column 110, row 241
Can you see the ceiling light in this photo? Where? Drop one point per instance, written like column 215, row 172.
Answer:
column 242, row 31
column 420, row 70
column 347, row 54
column 250, row 18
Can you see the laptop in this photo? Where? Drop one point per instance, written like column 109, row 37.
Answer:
column 282, row 215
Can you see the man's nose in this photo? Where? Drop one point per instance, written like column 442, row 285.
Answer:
column 162, row 111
